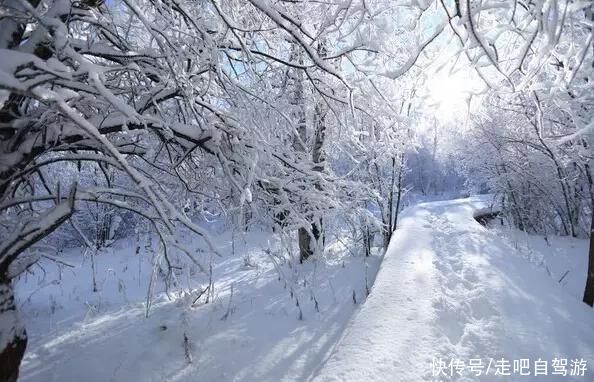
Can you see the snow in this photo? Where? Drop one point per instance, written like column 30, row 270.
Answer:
column 563, row 258
column 447, row 289
column 291, row 113
column 77, row 334
column 451, row 289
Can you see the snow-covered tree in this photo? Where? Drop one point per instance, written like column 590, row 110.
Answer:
column 161, row 101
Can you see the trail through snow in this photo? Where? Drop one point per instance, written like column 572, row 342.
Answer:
column 448, row 289
column 451, row 290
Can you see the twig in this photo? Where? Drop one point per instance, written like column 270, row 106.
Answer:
column 562, row 277
column 226, row 315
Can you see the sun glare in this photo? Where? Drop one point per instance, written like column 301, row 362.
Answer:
column 449, row 94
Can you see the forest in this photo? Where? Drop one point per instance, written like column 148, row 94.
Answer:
column 247, row 189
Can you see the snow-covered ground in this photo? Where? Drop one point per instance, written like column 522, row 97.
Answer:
column 280, row 322
column 563, row 258
column 450, row 291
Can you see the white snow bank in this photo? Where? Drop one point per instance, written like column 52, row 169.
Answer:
column 451, row 290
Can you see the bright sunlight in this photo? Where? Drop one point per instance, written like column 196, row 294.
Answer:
column 450, row 94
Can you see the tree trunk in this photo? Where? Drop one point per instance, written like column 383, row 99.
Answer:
column 299, row 141
column 589, row 292
column 387, row 216
column 305, row 248
column 308, row 245
column 399, row 194
column 13, row 337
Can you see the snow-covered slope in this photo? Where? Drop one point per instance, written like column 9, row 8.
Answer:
column 277, row 325
column 451, row 290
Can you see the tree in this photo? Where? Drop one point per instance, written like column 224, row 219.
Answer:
column 257, row 104
column 154, row 96
column 538, row 114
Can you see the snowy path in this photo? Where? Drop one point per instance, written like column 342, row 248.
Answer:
column 449, row 288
